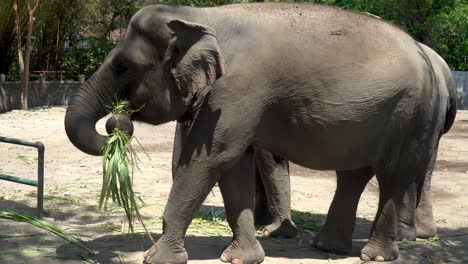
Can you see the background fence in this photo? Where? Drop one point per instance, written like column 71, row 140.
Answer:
column 50, row 93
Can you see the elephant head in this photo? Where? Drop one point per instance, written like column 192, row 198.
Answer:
column 159, row 66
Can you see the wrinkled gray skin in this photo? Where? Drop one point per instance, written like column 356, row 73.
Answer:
column 334, row 90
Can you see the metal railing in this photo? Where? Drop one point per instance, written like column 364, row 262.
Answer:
column 40, row 171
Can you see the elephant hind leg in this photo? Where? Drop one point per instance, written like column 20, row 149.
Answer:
column 237, row 188
column 336, row 235
column 425, row 224
column 398, row 177
column 418, row 223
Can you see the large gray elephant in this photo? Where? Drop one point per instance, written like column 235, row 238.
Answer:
column 322, row 87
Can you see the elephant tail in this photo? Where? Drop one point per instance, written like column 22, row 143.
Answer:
column 451, row 108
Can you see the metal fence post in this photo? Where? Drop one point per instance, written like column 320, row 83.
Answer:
column 40, row 171
column 40, row 179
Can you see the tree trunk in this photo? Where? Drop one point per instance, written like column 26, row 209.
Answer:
column 24, row 101
column 24, row 65
column 24, row 92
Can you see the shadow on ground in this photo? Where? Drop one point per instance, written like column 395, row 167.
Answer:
column 110, row 249
column 114, row 248
column 450, row 246
column 67, row 211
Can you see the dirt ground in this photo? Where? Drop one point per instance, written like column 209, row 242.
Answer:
column 73, row 182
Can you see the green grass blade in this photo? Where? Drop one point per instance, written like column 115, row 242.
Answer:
column 10, row 215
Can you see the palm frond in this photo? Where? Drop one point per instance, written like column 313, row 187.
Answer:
column 10, row 215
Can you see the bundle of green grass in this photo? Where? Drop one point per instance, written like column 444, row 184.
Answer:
column 118, row 161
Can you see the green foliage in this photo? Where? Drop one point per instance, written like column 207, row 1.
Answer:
column 83, row 60
column 57, row 22
column 118, row 160
column 10, row 215
column 63, row 26
column 306, row 220
column 450, row 36
column 103, row 16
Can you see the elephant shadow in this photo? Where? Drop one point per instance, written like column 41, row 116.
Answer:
column 56, row 210
column 111, row 248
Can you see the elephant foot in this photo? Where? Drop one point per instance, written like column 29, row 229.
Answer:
column 236, row 254
column 425, row 226
column 426, row 229
column 384, row 252
column 332, row 243
column 406, row 232
column 281, row 229
column 161, row 254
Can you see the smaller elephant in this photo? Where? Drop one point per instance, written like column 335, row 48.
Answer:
column 273, row 190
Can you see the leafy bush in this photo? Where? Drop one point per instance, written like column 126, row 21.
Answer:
column 78, row 59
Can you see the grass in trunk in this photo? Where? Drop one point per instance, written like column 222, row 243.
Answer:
column 118, row 162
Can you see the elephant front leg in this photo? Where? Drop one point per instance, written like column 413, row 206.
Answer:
column 237, row 188
column 191, row 185
column 272, row 173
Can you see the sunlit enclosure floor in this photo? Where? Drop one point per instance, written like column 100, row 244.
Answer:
column 73, row 182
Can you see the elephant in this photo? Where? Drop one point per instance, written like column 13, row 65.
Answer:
column 333, row 90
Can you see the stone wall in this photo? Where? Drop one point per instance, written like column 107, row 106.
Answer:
column 41, row 93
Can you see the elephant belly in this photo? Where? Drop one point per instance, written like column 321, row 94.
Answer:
column 328, row 143
column 332, row 155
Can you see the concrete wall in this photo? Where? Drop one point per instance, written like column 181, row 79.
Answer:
column 41, row 93
column 461, row 85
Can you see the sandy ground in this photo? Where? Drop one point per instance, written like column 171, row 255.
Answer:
column 73, row 182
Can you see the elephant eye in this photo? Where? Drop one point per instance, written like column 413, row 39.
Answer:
column 119, row 66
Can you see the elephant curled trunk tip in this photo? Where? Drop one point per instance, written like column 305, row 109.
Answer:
column 121, row 122
column 92, row 143
column 83, row 135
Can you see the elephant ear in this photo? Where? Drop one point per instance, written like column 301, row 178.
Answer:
column 194, row 56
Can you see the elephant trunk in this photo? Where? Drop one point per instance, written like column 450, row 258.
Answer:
column 92, row 102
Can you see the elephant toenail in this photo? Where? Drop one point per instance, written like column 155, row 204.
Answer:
column 365, row 257
column 379, row 259
column 236, row 261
